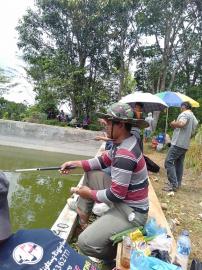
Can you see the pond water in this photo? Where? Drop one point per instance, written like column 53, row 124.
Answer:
column 36, row 198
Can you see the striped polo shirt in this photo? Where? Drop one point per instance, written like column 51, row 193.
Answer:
column 129, row 175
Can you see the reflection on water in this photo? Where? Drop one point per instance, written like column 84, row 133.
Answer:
column 36, row 198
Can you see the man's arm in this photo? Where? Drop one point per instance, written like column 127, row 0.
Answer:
column 96, row 163
column 181, row 121
column 178, row 124
column 102, row 138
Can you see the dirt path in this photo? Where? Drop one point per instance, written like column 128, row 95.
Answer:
column 185, row 205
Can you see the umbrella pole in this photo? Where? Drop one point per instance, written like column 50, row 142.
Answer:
column 166, row 126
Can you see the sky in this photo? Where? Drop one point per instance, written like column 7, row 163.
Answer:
column 10, row 12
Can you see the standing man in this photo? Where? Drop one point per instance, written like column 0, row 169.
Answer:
column 5, row 226
column 184, row 128
column 125, row 191
column 138, row 114
column 148, row 131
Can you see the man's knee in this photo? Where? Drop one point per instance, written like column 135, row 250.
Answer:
column 169, row 162
column 82, row 243
column 88, row 248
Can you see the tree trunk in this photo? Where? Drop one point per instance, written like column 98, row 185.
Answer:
column 163, row 72
column 122, row 67
column 172, row 79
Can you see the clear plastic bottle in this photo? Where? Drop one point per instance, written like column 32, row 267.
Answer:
column 183, row 249
column 126, row 252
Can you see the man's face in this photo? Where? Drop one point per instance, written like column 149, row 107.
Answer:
column 112, row 130
column 137, row 108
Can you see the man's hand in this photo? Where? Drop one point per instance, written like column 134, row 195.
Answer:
column 103, row 138
column 178, row 124
column 66, row 167
column 84, row 192
column 173, row 123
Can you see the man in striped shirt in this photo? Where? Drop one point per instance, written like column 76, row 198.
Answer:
column 126, row 190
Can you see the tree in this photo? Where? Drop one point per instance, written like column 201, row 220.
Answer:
column 4, row 81
column 123, row 36
column 62, row 42
column 169, row 22
column 80, row 50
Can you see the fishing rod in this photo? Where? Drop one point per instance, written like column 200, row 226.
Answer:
column 43, row 169
column 84, row 140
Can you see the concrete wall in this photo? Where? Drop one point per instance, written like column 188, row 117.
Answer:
column 49, row 138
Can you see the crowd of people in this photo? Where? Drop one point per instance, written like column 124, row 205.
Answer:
column 125, row 188
column 61, row 116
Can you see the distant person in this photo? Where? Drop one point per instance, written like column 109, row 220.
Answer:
column 138, row 110
column 68, row 118
column 50, row 115
column 61, row 116
column 138, row 114
column 5, row 226
column 86, row 122
column 104, row 137
column 148, row 131
column 73, row 122
column 184, row 127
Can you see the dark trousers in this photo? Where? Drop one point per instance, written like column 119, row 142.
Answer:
column 174, row 165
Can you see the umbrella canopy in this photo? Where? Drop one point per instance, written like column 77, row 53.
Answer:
column 150, row 102
column 174, row 99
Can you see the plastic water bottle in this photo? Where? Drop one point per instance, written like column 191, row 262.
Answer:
column 183, row 249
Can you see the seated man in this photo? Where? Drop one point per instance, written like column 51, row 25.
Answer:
column 33, row 249
column 138, row 114
column 73, row 122
column 5, row 227
column 86, row 122
column 125, row 191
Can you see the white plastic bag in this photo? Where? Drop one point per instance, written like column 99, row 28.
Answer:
column 100, row 208
column 161, row 242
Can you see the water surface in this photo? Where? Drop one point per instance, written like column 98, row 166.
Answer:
column 36, row 198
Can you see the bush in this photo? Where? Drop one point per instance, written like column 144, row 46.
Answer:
column 55, row 122
column 6, row 115
column 11, row 110
column 36, row 117
column 193, row 159
column 95, row 127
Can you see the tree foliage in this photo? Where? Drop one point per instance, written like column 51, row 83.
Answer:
column 12, row 110
column 83, row 52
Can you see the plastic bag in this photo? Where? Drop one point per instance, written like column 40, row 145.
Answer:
column 100, row 208
column 139, row 262
column 161, row 242
column 152, row 228
column 151, row 165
